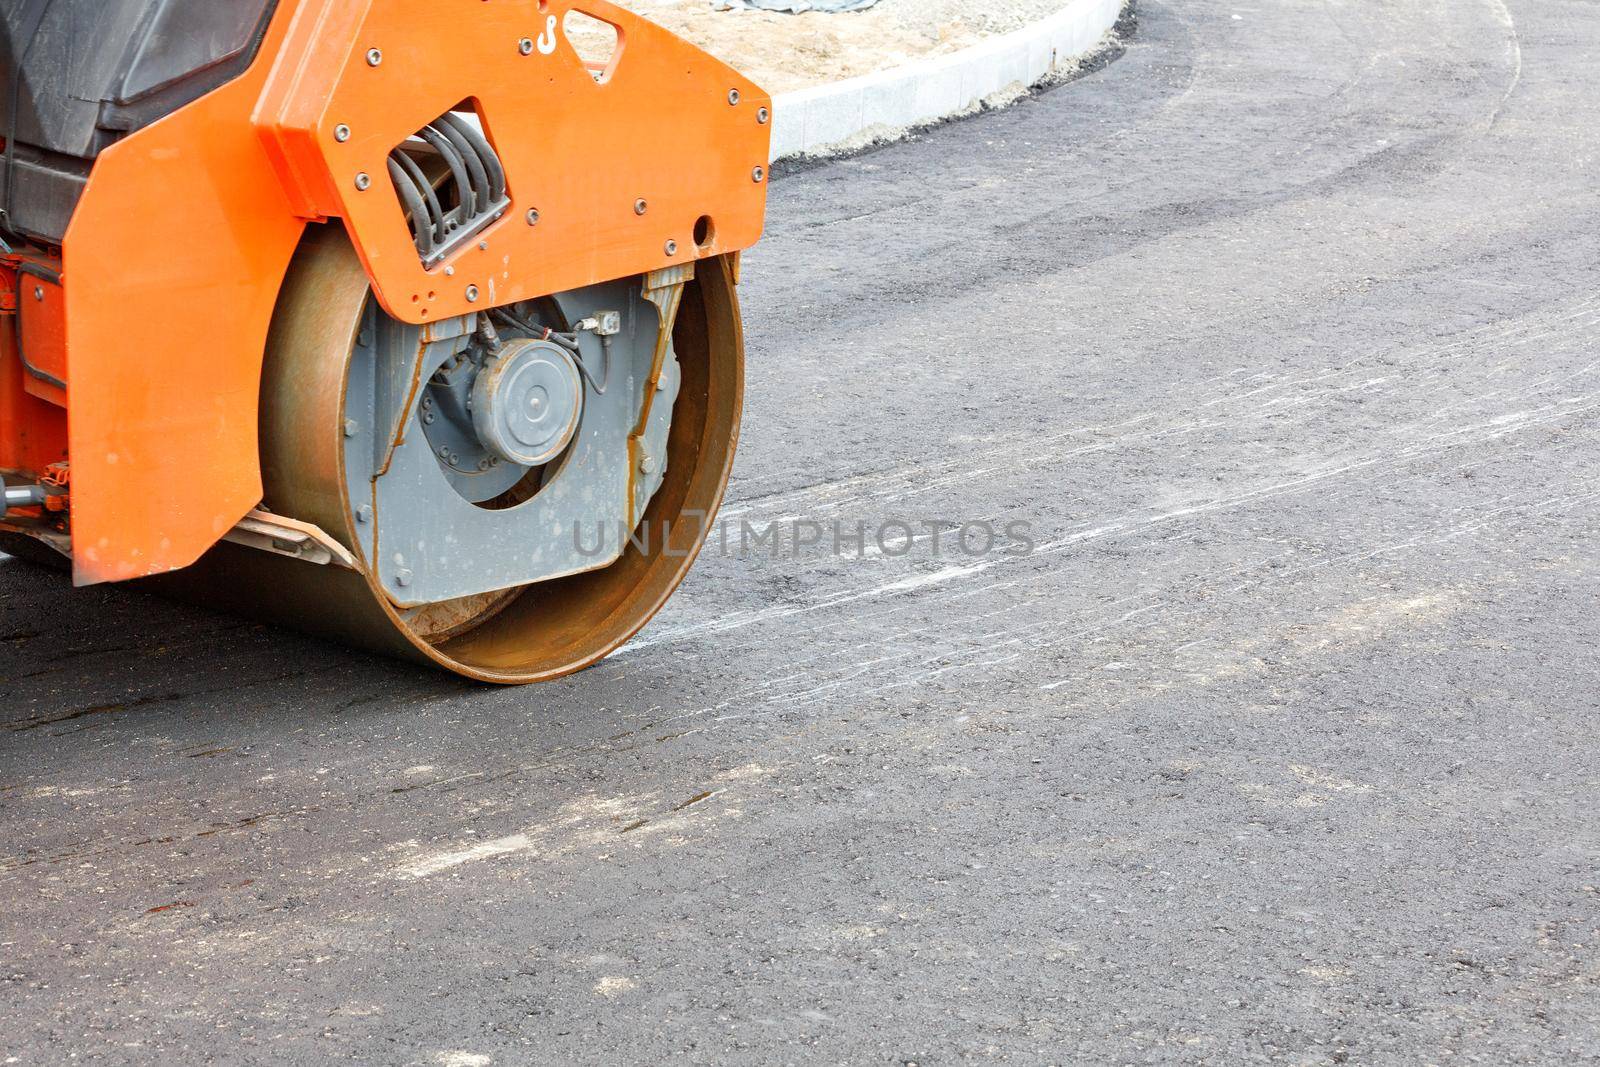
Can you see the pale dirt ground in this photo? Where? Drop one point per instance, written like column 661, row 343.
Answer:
column 782, row 52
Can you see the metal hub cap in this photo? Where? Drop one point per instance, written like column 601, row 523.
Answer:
column 526, row 402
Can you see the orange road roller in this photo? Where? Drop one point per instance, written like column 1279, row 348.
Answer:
column 408, row 322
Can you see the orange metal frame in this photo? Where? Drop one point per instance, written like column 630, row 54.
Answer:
column 177, row 249
column 31, row 311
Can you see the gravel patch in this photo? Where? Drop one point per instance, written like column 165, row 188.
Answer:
column 781, row 52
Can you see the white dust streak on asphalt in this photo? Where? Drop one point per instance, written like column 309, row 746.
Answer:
column 1514, row 48
column 443, row 861
column 736, row 620
column 1478, row 432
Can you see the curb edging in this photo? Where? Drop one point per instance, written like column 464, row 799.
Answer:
column 886, row 104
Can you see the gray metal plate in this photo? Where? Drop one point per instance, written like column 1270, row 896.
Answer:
column 426, row 542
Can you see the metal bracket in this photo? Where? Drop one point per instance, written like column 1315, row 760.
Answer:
column 664, row 289
column 284, row 536
column 464, row 236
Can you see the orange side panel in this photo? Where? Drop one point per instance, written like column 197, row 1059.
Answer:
column 172, row 266
column 664, row 123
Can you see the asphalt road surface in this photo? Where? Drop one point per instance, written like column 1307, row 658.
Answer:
column 1281, row 332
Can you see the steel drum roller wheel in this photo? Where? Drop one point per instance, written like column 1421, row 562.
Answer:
column 534, row 633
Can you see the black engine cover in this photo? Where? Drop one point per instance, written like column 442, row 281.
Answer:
column 77, row 75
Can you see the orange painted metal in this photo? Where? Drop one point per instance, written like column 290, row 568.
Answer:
column 177, row 249
column 33, row 430
column 172, row 264
column 663, row 123
column 42, row 330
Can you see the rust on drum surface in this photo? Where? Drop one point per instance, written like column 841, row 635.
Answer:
column 533, row 633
